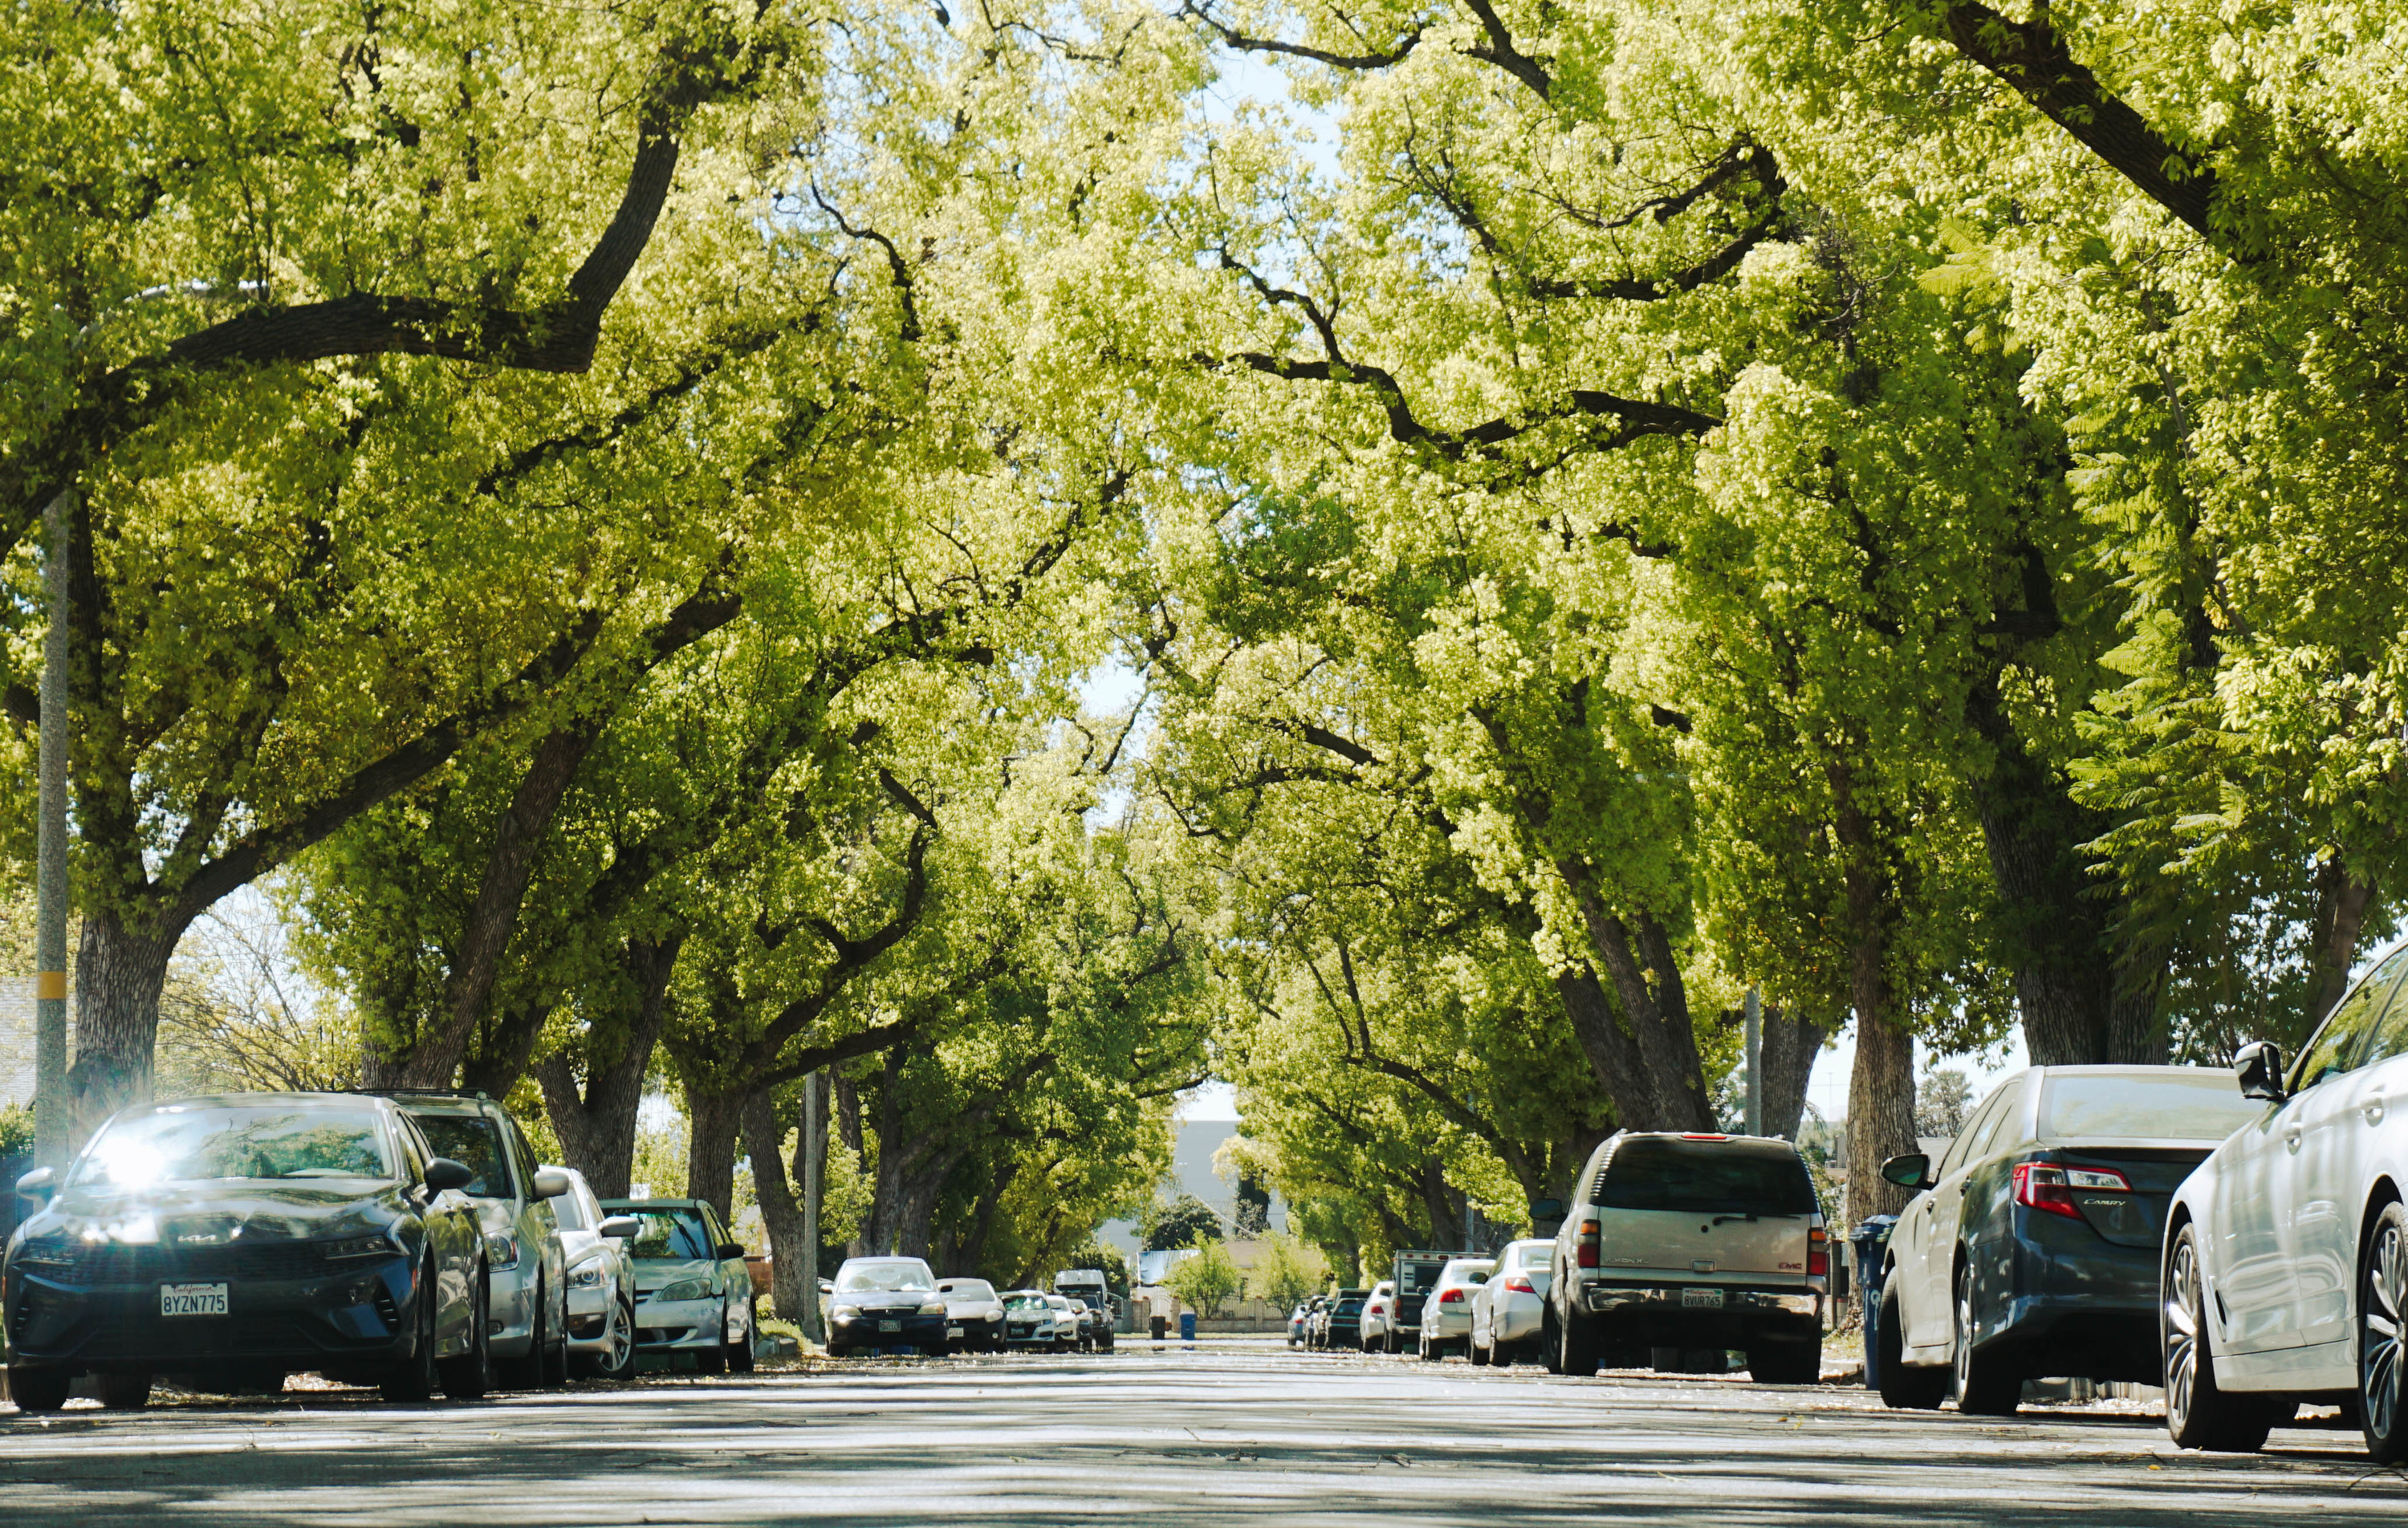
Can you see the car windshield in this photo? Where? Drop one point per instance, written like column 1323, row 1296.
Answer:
column 872, row 1278
column 970, row 1288
column 1027, row 1302
column 185, row 1143
column 669, row 1235
column 475, row 1143
column 1706, row 1178
column 2204, row 1107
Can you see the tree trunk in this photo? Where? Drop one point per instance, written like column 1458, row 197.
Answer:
column 596, row 1126
column 714, row 1120
column 1613, row 1055
column 1791, row 1043
column 2085, row 998
column 848, row 1122
column 811, row 1170
column 121, row 967
column 1881, row 1091
column 1443, row 1202
column 794, row 1271
column 1660, row 1028
column 2342, row 902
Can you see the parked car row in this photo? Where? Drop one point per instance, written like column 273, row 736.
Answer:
column 885, row 1304
column 2245, row 1247
column 408, row 1240
column 1677, row 1243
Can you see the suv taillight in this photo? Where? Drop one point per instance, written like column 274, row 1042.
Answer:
column 1818, row 1253
column 1586, row 1250
column 2043, row 1185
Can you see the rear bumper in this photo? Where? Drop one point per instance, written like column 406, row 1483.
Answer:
column 1453, row 1320
column 2073, row 1303
column 1515, row 1317
column 343, row 1318
column 1660, row 1316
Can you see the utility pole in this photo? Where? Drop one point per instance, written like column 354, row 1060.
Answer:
column 51, row 1130
column 813, row 1142
column 1755, row 1125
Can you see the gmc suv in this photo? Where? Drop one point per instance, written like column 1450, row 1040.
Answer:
column 1691, row 1241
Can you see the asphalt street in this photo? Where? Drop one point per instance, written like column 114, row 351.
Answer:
column 1222, row 1433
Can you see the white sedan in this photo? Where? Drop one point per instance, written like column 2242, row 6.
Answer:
column 1378, row 1329
column 1510, row 1309
column 2286, row 1256
column 1446, row 1316
column 601, row 1279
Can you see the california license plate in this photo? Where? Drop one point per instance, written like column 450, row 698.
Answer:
column 953, row 1331
column 890, row 1326
column 1701, row 1299
column 192, row 1299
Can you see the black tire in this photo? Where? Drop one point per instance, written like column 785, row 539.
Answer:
column 126, row 1392
column 37, row 1390
column 739, row 1352
column 1576, row 1347
column 2199, row 1413
column 468, row 1376
column 1903, row 1387
column 2383, row 1302
column 1551, row 1342
column 1479, row 1356
column 1786, row 1363
column 412, row 1380
column 525, row 1372
column 1985, row 1384
column 1504, row 1355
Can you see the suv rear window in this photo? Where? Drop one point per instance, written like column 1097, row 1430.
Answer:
column 1706, row 1178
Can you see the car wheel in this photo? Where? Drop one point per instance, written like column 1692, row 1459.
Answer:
column 739, row 1351
column 1986, row 1385
column 126, row 1392
column 2199, row 1413
column 1903, row 1388
column 38, row 1389
column 1576, row 1345
column 1551, row 1342
column 617, row 1358
column 2382, row 1312
column 412, row 1380
column 556, row 1357
column 1786, row 1363
column 468, row 1376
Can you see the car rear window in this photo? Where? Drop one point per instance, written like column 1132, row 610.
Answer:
column 2106, row 1107
column 1706, row 1178
column 1349, row 1307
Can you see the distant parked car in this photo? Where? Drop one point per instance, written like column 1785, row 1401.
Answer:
column 1094, row 1325
column 249, row 1235
column 1691, row 1241
column 1341, row 1324
column 524, row 1257
column 694, row 1292
column 1299, row 1323
column 2032, row 1247
column 973, row 1315
column 1509, row 1310
column 1446, row 1315
column 885, row 1302
column 1031, row 1319
column 1378, row 1325
column 601, row 1281
column 2285, row 1264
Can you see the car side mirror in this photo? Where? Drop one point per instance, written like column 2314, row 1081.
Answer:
column 443, row 1173
column 38, row 1184
column 1912, row 1170
column 621, row 1227
column 2259, row 1064
column 827, row 1287
column 549, row 1182
column 729, row 1248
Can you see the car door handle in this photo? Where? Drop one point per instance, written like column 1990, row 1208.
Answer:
column 2373, row 1109
column 2291, row 1136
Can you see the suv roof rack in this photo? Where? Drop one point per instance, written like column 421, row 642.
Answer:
column 421, row 1093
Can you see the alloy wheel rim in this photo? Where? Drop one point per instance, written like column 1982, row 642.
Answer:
column 1964, row 1355
column 2379, row 1355
column 617, row 1338
column 2182, row 1308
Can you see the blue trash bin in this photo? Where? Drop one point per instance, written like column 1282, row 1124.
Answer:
column 1187, row 1326
column 1871, row 1240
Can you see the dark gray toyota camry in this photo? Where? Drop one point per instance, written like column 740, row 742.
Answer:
column 247, row 1236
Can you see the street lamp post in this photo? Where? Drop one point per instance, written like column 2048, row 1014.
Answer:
column 51, row 1130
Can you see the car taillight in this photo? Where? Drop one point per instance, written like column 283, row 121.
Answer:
column 1520, row 1285
column 1586, row 1252
column 1692, row 1135
column 1818, row 1253
column 1450, row 1297
column 2043, row 1185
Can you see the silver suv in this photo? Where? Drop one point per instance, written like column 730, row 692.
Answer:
column 1691, row 1242
column 526, row 1273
